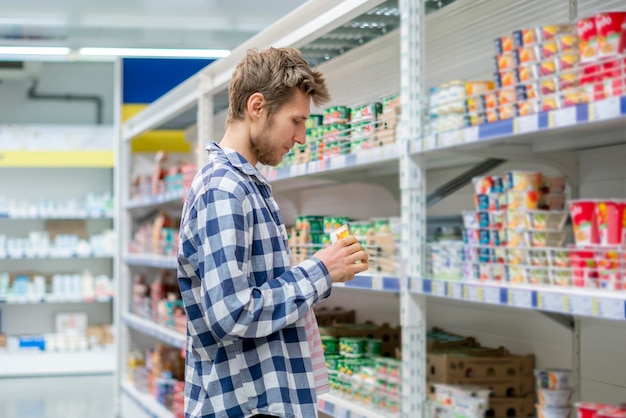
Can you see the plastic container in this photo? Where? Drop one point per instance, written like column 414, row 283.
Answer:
column 330, row 345
column 553, row 379
column 584, row 221
column 610, row 221
column 609, row 27
column 587, row 409
column 611, row 412
column 522, row 200
column 522, row 181
column 352, row 347
column 546, row 220
column 549, row 412
column 584, row 268
column 543, row 239
column 558, row 398
column 588, row 34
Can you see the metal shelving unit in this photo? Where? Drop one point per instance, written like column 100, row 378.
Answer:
column 549, row 137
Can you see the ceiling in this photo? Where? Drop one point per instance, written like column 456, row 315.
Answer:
column 203, row 24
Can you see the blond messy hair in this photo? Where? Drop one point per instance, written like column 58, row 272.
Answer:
column 274, row 73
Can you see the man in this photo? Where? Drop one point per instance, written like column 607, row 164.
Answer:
column 252, row 338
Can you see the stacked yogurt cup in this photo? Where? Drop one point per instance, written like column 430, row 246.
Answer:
column 554, row 393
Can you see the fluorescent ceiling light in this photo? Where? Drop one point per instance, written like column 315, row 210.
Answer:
column 156, row 52
column 33, row 50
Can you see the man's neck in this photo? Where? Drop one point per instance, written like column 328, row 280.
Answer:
column 237, row 138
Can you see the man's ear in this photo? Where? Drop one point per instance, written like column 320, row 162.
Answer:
column 256, row 103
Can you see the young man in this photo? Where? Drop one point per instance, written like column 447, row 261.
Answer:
column 252, row 339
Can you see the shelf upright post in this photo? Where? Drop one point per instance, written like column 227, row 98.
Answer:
column 413, row 206
column 205, row 118
column 122, row 224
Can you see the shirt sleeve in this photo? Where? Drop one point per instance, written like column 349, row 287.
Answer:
column 234, row 307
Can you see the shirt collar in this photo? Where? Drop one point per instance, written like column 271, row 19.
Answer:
column 236, row 160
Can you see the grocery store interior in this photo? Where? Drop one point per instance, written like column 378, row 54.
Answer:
column 475, row 148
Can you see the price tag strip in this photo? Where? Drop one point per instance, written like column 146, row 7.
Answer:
column 521, row 298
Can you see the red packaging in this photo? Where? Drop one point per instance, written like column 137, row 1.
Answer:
column 610, row 270
column 613, row 76
column 611, row 412
column 583, row 213
column 610, row 219
column 609, row 27
column 584, row 268
column 588, row 409
column 591, row 82
column 588, row 34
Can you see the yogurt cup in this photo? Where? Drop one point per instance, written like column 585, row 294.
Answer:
column 558, row 398
column 610, row 220
column 552, row 379
column 588, row 409
column 609, row 27
column 584, row 221
column 549, row 412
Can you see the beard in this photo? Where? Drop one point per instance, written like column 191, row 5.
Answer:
column 261, row 146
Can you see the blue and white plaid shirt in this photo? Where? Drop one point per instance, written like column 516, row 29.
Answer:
column 247, row 350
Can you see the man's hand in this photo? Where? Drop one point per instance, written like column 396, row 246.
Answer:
column 341, row 259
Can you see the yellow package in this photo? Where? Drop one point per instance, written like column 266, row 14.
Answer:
column 340, row 233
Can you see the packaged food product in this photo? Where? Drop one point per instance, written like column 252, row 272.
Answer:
column 543, row 239
column 486, row 202
column 549, row 412
column 471, row 236
column 330, row 344
column 567, row 61
column 515, row 274
column 568, row 42
column 559, row 258
column 483, row 184
column 526, row 92
column 611, row 412
column 332, row 362
column 514, row 238
column 527, row 73
column 498, row 272
column 475, row 88
column 549, row 103
column 551, row 32
column 506, row 78
column 584, row 268
column 552, row 184
column 572, row 97
column 609, row 27
column 507, row 111
column 373, row 347
column 614, row 75
column 556, row 398
column 497, row 219
column 584, row 221
column 560, row 277
column 524, row 37
column 538, row 258
column 552, row 379
column 568, row 81
column 549, row 85
column 587, row 409
column 549, row 49
column 591, row 81
column 537, row 275
column 515, row 219
column 521, row 181
column 546, row 220
column 340, row 233
column 492, row 115
column 528, row 107
column 504, row 44
column 352, row 347
column 549, row 67
column 588, row 34
column 528, row 53
column 610, row 270
column 522, row 200
column 610, row 219
column 506, row 96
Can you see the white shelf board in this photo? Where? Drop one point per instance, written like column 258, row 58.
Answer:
column 151, row 260
column 563, row 300
column 156, row 200
column 53, row 257
column 145, row 402
column 375, row 282
column 43, row 363
column 50, row 301
column 161, row 333
column 55, row 217
column 337, row 407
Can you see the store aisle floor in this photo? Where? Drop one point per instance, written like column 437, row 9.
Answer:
column 57, row 397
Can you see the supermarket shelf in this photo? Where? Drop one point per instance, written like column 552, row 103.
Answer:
column 338, row 407
column 50, row 301
column 166, row 335
column 151, row 260
column 373, row 282
column 569, row 301
column 148, row 202
column 42, row 363
column 54, row 257
column 56, row 217
column 582, row 126
column 146, row 402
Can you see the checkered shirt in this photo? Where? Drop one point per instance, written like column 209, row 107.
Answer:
column 247, row 349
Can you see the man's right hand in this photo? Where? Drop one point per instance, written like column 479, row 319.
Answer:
column 341, row 259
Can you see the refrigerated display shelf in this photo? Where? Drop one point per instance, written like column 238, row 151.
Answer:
column 363, row 158
column 338, row 407
column 176, row 196
column 601, row 117
column 43, row 363
column 151, row 260
column 50, row 301
column 161, row 333
column 569, row 301
column 373, row 282
column 85, row 217
column 55, row 257
column 146, row 402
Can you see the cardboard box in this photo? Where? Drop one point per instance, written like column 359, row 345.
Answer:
column 76, row 227
column 511, row 407
column 439, row 339
column 499, row 388
column 326, row 316
column 477, row 364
